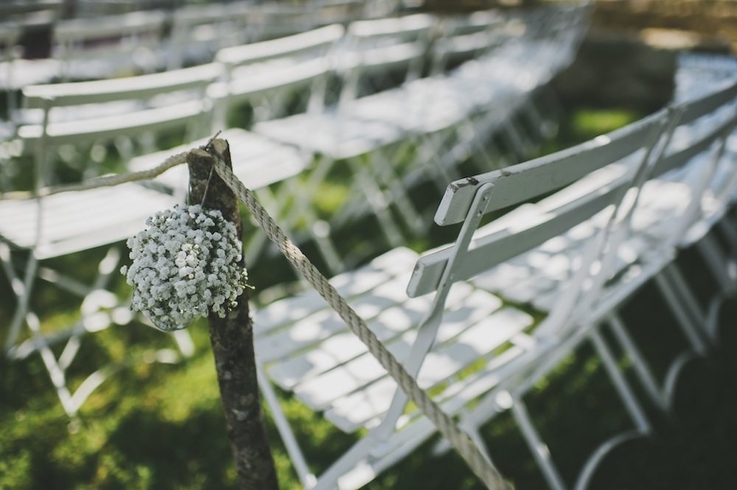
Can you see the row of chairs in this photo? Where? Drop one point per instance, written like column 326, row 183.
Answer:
column 131, row 114
column 94, row 47
column 584, row 229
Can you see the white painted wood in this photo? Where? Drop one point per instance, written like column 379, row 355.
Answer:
column 307, row 43
column 331, row 134
column 80, row 220
column 142, row 86
column 476, row 343
column 523, row 182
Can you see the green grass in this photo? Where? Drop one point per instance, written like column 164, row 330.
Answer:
column 158, row 426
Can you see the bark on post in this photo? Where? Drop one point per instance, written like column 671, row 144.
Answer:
column 232, row 341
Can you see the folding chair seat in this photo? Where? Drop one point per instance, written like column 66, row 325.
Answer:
column 275, row 20
column 695, row 70
column 463, row 343
column 332, row 140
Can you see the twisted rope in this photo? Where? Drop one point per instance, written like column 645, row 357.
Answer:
column 458, row 439
column 106, row 181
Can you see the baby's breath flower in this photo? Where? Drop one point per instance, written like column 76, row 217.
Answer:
column 185, row 264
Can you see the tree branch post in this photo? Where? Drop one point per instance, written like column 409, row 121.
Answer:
column 232, row 339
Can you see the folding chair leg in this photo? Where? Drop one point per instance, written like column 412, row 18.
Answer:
column 378, row 204
column 644, row 373
column 303, row 208
column 56, row 373
column 673, row 274
column 636, row 413
column 296, row 456
column 22, row 291
column 717, row 263
column 728, row 229
column 539, row 449
column 682, row 316
column 184, row 342
column 431, row 153
column 409, row 214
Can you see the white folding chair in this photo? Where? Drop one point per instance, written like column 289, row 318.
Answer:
column 696, row 172
column 334, row 134
column 461, row 342
column 674, row 208
column 60, row 225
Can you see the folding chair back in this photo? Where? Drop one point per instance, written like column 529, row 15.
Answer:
column 465, row 37
column 87, row 113
column 9, row 51
column 199, row 31
column 375, row 50
column 268, row 74
column 108, row 46
column 338, row 11
column 276, row 20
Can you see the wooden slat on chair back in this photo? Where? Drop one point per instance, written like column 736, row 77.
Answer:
column 109, row 109
column 523, row 182
column 376, row 47
column 315, row 41
column 140, row 87
column 527, row 181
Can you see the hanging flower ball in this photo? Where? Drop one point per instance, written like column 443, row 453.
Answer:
column 185, row 265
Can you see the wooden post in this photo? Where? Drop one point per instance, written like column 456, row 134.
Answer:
column 232, row 340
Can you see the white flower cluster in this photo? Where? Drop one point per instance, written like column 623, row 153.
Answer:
column 185, row 264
